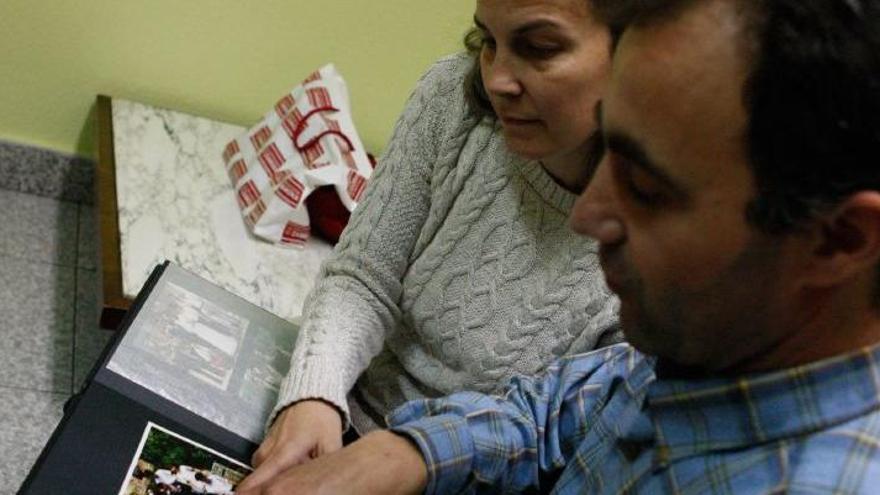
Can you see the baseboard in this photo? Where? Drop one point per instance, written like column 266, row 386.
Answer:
column 39, row 171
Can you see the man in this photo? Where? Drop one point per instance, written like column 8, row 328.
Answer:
column 738, row 214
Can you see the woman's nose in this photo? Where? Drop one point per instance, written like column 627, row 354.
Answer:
column 595, row 212
column 499, row 75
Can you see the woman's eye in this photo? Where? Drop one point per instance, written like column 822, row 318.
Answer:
column 542, row 51
column 537, row 50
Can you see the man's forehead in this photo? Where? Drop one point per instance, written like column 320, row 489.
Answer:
column 685, row 51
column 677, row 85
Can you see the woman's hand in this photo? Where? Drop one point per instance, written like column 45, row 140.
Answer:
column 379, row 463
column 303, row 431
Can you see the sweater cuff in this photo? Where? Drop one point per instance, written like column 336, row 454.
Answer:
column 314, row 378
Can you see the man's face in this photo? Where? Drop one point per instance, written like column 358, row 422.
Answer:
column 697, row 284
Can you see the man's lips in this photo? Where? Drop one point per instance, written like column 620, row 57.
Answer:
column 612, row 280
column 614, row 274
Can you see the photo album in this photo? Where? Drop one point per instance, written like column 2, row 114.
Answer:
column 179, row 399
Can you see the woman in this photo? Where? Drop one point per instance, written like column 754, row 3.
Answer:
column 457, row 270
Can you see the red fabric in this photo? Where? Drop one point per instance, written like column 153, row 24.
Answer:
column 327, row 215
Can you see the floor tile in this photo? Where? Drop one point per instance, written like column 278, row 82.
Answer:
column 38, row 229
column 37, row 303
column 89, row 339
column 27, row 419
column 87, row 252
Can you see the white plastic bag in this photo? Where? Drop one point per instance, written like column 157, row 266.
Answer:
column 306, row 141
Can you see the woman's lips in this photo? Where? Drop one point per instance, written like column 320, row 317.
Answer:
column 517, row 121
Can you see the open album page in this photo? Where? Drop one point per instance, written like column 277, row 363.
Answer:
column 208, row 351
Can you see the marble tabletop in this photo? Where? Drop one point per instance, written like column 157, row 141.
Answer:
column 176, row 202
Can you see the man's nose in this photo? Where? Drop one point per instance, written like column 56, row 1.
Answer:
column 595, row 212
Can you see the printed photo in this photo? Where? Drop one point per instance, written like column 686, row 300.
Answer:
column 195, row 336
column 167, row 463
column 207, row 351
column 264, row 368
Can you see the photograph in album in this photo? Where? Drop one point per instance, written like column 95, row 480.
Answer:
column 168, row 463
column 179, row 400
column 188, row 334
column 205, row 355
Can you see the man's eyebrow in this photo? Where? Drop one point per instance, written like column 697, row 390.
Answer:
column 620, row 144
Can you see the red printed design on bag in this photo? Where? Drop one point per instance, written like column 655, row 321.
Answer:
column 314, row 76
column 290, row 191
column 356, row 185
column 295, row 234
column 280, row 177
column 259, row 138
column 297, row 116
column 348, row 158
column 342, row 145
column 319, row 97
column 247, row 194
column 292, row 123
column 230, row 151
column 312, row 154
column 272, row 160
column 284, row 105
column 256, row 213
column 237, row 171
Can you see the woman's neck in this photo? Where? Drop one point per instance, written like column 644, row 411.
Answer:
column 574, row 169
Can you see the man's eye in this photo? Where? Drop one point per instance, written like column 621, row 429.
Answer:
column 638, row 186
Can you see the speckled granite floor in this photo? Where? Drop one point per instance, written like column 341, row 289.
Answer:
column 48, row 316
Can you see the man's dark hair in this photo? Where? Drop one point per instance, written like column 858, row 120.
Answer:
column 813, row 99
column 475, row 92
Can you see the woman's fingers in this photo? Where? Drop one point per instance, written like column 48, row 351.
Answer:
column 275, row 462
column 304, row 431
column 264, row 451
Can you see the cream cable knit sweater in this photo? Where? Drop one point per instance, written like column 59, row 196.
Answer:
column 457, row 271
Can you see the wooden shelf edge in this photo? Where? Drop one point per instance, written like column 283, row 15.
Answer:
column 113, row 301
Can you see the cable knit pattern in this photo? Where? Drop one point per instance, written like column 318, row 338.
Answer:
column 457, row 270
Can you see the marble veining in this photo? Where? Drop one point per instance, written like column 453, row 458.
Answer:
column 176, row 202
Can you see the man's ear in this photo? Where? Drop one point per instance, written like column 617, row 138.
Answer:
column 846, row 243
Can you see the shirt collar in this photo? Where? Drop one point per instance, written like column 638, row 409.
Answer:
column 697, row 416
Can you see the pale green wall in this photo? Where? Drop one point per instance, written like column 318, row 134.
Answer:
column 224, row 59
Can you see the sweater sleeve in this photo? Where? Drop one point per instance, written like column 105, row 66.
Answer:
column 355, row 300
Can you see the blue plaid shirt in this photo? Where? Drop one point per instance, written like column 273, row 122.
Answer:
column 603, row 423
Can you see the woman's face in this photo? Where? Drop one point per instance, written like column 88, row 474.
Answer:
column 544, row 64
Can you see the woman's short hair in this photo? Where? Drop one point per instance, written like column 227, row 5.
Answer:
column 474, row 91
